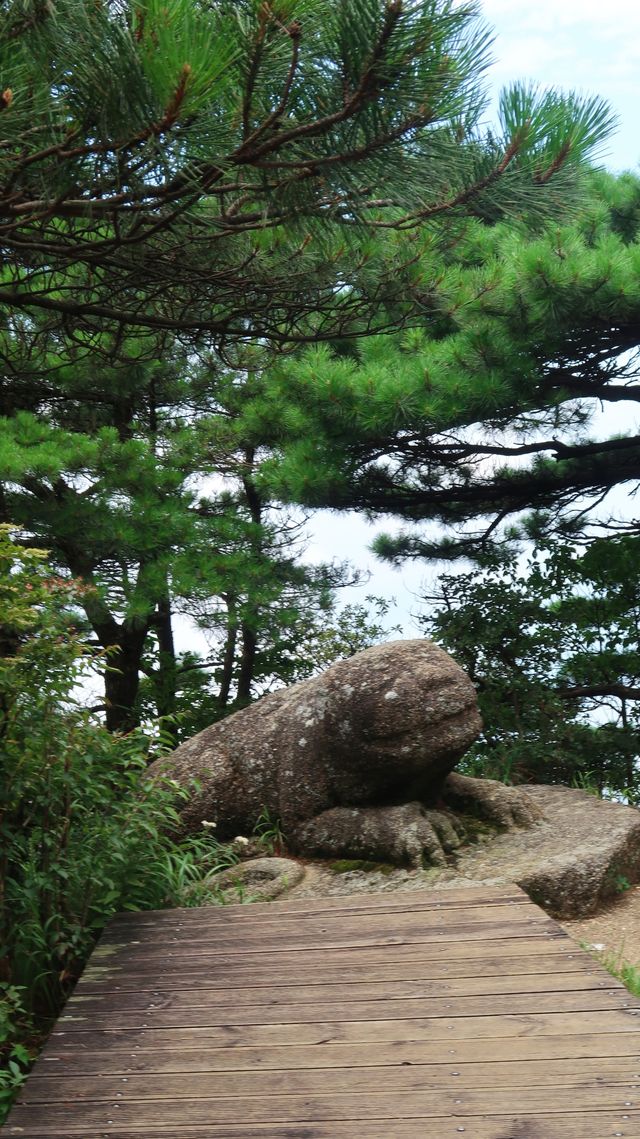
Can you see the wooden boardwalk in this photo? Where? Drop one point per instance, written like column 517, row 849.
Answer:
column 390, row 1016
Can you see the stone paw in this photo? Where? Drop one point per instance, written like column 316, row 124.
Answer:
column 405, row 834
column 504, row 806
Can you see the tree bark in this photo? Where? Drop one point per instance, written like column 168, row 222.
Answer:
column 247, row 663
column 165, row 676
column 122, row 677
column 229, row 655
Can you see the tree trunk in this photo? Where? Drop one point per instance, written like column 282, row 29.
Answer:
column 122, row 678
column 630, row 758
column 229, row 655
column 247, row 664
column 248, row 632
column 165, row 677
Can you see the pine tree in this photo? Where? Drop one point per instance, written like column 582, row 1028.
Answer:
column 222, row 168
column 479, row 420
column 135, row 474
column 552, row 647
column 248, row 176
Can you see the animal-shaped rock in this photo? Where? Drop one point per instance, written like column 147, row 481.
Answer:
column 349, row 762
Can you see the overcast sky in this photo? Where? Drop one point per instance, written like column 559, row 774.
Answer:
column 584, row 45
column 589, row 46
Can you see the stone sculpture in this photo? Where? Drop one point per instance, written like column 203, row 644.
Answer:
column 356, row 761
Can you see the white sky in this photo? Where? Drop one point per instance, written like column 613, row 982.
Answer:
column 583, row 45
column 589, row 46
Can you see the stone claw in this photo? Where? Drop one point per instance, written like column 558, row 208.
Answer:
column 503, row 806
column 408, row 834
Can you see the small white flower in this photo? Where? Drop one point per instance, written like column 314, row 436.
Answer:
column 240, row 840
column 206, row 823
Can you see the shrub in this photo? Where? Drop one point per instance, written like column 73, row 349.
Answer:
column 84, row 832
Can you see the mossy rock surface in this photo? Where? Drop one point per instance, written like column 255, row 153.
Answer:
column 360, row 865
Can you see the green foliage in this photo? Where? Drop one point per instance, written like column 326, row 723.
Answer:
column 83, row 830
column 240, row 166
column 483, row 412
column 141, row 483
column 214, row 167
column 184, row 869
column 629, row 975
column 15, row 1056
column 622, row 970
column 316, row 638
column 269, row 833
column 553, row 650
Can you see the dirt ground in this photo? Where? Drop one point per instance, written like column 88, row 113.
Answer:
column 614, row 932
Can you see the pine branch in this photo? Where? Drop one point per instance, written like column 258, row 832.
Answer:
column 581, row 691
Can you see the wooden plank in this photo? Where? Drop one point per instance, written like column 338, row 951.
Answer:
column 486, row 930
column 166, row 994
column 207, row 1014
column 315, row 925
column 575, row 1073
column 120, row 1060
column 108, row 948
column 546, row 962
column 386, row 1016
column 286, row 939
column 574, row 1125
column 426, row 917
column 238, row 918
column 114, row 961
column 353, row 903
column 449, row 1028
column 423, row 1105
